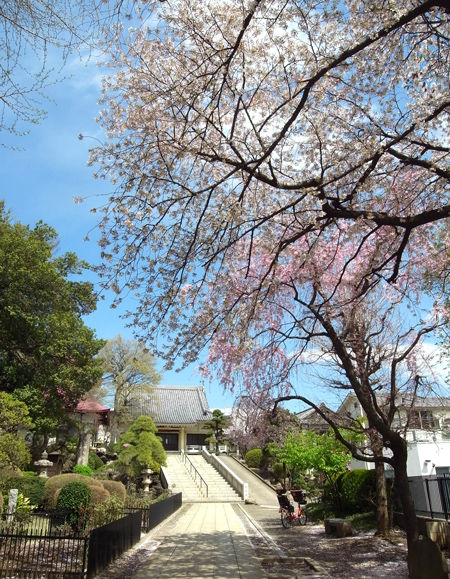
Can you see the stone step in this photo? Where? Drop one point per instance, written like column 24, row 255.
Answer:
column 219, row 490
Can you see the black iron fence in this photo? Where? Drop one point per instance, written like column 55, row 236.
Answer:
column 38, row 548
column 108, row 542
column 43, row 546
column 431, row 496
column 158, row 512
column 35, row 523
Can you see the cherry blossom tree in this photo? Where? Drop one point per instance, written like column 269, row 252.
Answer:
column 229, row 120
column 371, row 342
column 275, row 165
column 253, row 424
column 371, row 338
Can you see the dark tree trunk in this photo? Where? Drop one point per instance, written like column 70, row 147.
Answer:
column 399, row 456
column 383, row 526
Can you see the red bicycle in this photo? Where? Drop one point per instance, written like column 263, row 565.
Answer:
column 289, row 515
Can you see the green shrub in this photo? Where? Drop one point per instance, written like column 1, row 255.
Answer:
column 135, row 501
column 254, row 457
column 31, row 487
column 331, row 489
column 94, row 461
column 73, row 497
column 82, row 469
column 115, row 488
column 24, row 508
column 357, row 490
column 106, row 512
column 318, row 512
column 55, row 483
column 364, row 521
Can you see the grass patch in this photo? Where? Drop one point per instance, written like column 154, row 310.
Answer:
column 318, row 512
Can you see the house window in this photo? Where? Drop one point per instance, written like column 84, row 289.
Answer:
column 423, row 419
column 440, row 470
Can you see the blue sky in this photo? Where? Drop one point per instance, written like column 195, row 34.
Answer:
column 41, row 173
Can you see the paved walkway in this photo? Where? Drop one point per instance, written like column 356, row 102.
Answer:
column 207, row 540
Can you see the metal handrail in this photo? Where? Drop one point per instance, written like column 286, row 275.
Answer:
column 190, row 466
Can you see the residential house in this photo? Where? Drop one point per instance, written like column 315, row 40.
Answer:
column 310, row 419
column 427, row 431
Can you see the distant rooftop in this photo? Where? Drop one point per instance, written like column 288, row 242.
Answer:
column 90, row 405
column 407, row 401
column 173, row 405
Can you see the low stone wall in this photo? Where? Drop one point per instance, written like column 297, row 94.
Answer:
column 438, row 530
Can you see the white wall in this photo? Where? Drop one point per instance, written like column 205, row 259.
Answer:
column 424, row 457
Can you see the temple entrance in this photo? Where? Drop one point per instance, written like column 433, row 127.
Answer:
column 169, row 440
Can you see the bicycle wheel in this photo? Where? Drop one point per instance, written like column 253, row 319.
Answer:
column 286, row 519
column 302, row 518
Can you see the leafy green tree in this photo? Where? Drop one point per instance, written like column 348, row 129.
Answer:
column 140, row 448
column 47, row 353
column 129, row 370
column 306, row 450
column 215, row 427
column 14, row 419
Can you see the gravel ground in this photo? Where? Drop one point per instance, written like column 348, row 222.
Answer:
column 361, row 556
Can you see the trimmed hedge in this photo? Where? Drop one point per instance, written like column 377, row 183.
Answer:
column 115, row 489
column 99, row 495
column 55, row 483
column 73, row 497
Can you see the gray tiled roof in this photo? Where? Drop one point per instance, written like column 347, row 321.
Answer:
column 173, row 405
column 406, row 401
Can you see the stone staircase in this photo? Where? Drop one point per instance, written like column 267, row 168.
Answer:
column 181, row 477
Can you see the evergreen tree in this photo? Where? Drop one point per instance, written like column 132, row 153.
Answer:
column 140, row 448
column 215, row 427
column 47, row 353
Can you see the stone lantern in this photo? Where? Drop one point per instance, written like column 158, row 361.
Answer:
column 43, row 464
column 147, row 480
